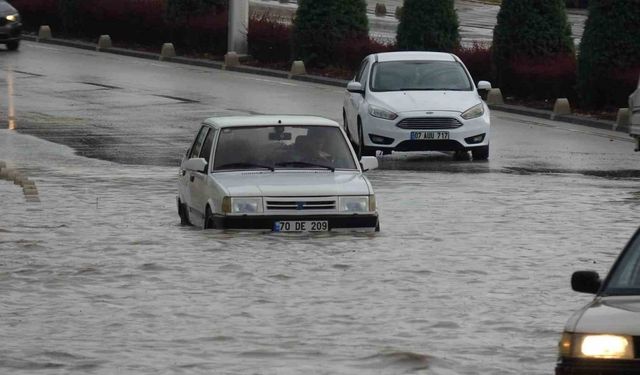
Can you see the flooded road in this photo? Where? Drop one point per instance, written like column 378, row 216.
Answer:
column 469, row 275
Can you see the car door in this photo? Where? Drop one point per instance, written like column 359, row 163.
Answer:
column 185, row 175
column 353, row 101
column 200, row 180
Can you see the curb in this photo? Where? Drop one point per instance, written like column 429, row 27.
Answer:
column 548, row 115
column 538, row 113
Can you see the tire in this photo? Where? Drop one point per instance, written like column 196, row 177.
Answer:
column 480, row 153
column 377, row 226
column 208, row 219
column 461, row 155
column 362, row 149
column 184, row 214
column 13, row 45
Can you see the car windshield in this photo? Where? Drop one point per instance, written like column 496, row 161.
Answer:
column 625, row 277
column 419, row 75
column 282, row 147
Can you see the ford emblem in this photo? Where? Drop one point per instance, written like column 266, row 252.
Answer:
column 429, row 113
column 300, row 205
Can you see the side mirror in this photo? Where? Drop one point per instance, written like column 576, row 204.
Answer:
column 196, row 165
column 355, row 87
column 369, row 163
column 484, row 85
column 586, row 282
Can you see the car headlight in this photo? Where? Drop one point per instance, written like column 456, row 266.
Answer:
column 602, row 346
column 354, row 204
column 13, row 17
column 242, row 205
column 473, row 112
column 382, row 113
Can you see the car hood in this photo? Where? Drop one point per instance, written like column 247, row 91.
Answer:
column 6, row 8
column 614, row 315
column 293, row 183
column 408, row 101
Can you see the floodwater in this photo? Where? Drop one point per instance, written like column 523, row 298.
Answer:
column 469, row 275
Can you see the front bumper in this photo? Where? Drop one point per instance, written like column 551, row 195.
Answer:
column 458, row 137
column 336, row 222
column 579, row 366
column 10, row 32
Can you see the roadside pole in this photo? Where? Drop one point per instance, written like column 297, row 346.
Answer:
column 238, row 26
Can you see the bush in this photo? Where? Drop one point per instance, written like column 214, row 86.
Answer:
column 609, row 60
column 35, row 13
column 319, row 26
column 269, row 40
column 550, row 77
column 430, row 25
column 528, row 30
column 477, row 59
column 351, row 51
column 179, row 11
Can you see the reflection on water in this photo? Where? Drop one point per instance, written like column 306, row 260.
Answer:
column 470, row 274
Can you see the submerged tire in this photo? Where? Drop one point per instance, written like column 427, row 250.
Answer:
column 208, row 219
column 184, row 215
column 480, row 153
column 13, row 46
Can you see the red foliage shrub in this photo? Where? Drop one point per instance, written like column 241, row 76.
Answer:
column 269, row 39
column 35, row 13
column 352, row 50
column 202, row 33
column 477, row 59
column 547, row 78
column 125, row 20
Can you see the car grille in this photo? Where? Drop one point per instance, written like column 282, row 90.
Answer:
column 3, row 21
column 636, row 345
column 300, row 204
column 429, row 123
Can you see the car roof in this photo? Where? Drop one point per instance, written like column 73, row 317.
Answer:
column 414, row 55
column 268, row 120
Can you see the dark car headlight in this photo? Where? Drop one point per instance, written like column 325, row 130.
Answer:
column 596, row 346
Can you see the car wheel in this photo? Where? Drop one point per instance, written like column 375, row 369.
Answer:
column 184, row 214
column 461, row 155
column 480, row 153
column 208, row 219
column 13, row 46
column 378, row 226
column 362, row 149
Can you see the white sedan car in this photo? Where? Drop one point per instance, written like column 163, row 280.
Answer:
column 634, row 108
column 278, row 173
column 416, row 101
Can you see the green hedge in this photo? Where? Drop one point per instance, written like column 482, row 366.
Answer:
column 609, row 59
column 428, row 25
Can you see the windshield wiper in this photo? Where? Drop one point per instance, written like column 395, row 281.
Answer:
column 244, row 165
column 305, row 164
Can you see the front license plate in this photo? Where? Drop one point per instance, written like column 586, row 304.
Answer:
column 430, row 136
column 301, row 226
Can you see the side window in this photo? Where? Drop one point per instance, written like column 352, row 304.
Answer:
column 197, row 145
column 363, row 67
column 206, row 147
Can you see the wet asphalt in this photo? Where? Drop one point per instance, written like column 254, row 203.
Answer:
column 469, row 274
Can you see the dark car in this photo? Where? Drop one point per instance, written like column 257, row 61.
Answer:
column 604, row 336
column 10, row 26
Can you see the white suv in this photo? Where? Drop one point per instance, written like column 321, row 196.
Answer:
column 416, row 101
